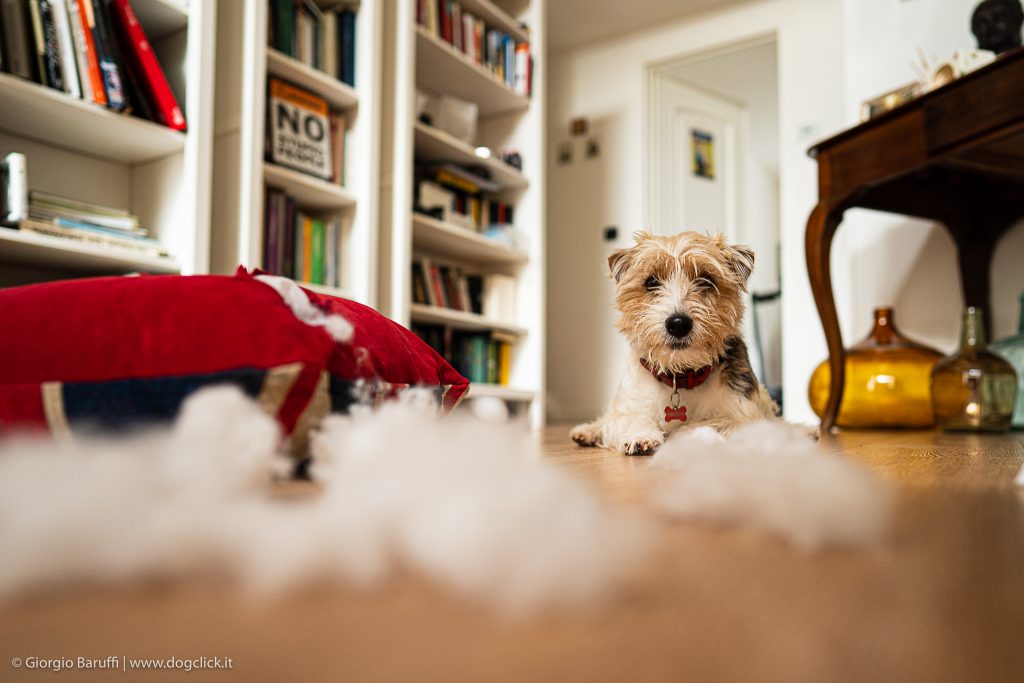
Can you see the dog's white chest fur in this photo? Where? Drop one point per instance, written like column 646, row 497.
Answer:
column 640, row 392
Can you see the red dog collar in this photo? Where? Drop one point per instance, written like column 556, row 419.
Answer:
column 687, row 379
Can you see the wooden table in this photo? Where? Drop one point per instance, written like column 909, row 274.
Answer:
column 954, row 155
column 941, row 599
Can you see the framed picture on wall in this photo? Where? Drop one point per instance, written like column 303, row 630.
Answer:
column 703, row 153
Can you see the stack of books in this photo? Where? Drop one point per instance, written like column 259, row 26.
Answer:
column 482, row 357
column 94, row 50
column 322, row 39
column 510, row 62
column 300, row 246
column 456, row 195
column 303, row 133
column 446, row 287
column 88, row 223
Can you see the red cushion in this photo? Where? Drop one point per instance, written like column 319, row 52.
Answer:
column 119, row 344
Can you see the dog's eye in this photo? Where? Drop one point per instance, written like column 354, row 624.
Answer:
column 651, row 283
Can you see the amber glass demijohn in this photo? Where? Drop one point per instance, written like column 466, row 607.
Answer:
column 974, row 389
column 888, row 380
column 1012, row 349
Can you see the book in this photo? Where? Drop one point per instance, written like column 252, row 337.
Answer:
column 68, row 60
column 305, row 32
column 92, row 74
column 147, row 247
column 332, row 254
column 317, row 249
column 17, row 32
column 81, row 51
column 304, row 248
column 86, row 212
column 338, row 122
column 329, row 45
column 154, row 82
column 272, row 232
column 347, row 46
column 523, row 66
column 299, row 130
column 45, row 39
column 420, row 290
column 283, row 26
column 110, row 71
column 437, row 287
column 288, row 234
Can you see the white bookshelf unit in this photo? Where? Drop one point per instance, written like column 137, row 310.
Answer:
column 506, row 119
column 241, row 176
column 83, row 151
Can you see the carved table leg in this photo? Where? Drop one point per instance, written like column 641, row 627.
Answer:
column 821, row 227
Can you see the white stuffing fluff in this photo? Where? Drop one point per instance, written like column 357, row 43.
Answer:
column 336, row 326
column 456, row 500
column 771, row 476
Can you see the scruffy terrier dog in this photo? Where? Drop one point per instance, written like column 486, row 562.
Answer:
column 680, row 300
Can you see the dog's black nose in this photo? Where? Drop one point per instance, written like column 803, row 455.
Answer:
column 679, row 326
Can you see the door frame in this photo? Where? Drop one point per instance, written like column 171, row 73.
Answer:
column 656, row 73
column 735, row 141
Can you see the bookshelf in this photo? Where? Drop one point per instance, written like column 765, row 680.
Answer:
column 83, row 151
column 506, row 119
column 242, row 176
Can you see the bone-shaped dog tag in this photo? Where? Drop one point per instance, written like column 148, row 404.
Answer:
column 675, row 411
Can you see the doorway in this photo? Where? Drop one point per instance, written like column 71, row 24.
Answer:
column 713, row 166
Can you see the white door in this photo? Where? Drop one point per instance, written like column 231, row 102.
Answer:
column 693, row 159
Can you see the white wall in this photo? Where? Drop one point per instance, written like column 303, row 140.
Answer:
column 606, row 82
column 907, row 263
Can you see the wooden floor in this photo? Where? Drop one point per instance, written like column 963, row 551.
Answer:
column 943, row 599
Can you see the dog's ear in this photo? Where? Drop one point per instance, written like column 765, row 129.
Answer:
column 741, row 261
column 619, row 261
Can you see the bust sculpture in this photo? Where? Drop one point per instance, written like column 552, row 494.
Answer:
column 996, row 24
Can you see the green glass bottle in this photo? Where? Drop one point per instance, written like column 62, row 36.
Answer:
column 974, row 390
column 1012, row 349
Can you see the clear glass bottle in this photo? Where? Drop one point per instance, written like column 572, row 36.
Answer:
column 888, row 380
column 1012, row 349
column 974, row 389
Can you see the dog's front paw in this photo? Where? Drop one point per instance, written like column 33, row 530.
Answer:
column 587, row 434
column 643, row 444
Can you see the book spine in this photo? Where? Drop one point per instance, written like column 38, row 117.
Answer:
column 109, row 70
column 284, row 26
column 95, row 75
column 504, row 363
column 329, row 43
column 46, row 68
column 81, row 50
column 288, row 251
column 68, row 62
column 307, row 249
column 317, row 249
column 270, row 233
column 522, row 82
column 347, row 47
column 152, row 75
column 438, row 287
column 17, row 30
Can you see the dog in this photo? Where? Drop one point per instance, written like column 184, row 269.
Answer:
column 681, row 304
